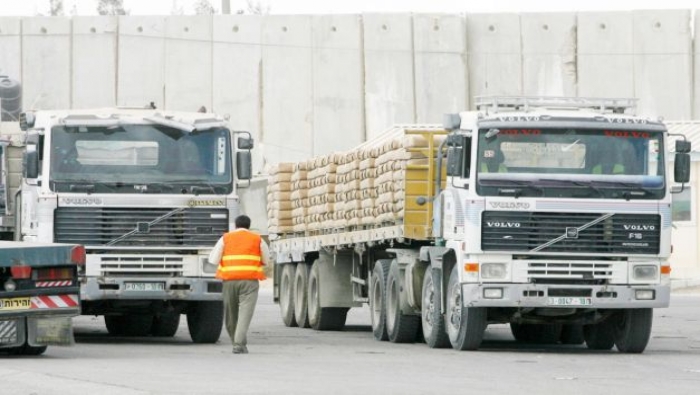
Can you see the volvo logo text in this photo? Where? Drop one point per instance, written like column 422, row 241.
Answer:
column 503, row 224
column 639, row 227
column 516, row 205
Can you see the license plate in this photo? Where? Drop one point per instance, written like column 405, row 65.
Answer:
column 15, row 304
column 144, row 286
column 569, row 301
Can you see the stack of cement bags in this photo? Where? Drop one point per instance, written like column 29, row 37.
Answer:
column 279, row 202
column 299, row 197
column 364, row 187
column 346, row 191
column 322, row 180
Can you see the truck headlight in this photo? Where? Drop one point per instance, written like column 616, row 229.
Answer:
column 645, row 272
column 493, row 271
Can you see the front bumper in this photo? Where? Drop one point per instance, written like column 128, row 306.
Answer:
column 180, row 288
column 538, row 296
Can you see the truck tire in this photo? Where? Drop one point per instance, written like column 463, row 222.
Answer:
column 465, row 325
column 326, row 318
column 287, row 295
column 401, row 328
column 377, row 296
column 205, row 320
column 632, row 330
column 137, row 325
column 432, row 320
column 572, row 334
column 25, row 349
column 115, row 324
column 600, row 336
column 301, row 290
column 166, row 324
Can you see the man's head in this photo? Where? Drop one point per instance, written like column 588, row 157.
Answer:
column 242, row 221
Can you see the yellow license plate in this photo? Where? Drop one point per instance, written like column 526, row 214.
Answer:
column 15, row 304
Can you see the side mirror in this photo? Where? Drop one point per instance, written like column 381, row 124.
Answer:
column 26, row 120
column 244, row 167
column 682, row 146
column 454, row 161
column 30, row 164
column 245, row 143
column 681, row 168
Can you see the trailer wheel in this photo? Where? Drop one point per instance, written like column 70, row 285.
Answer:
column 166, row 324
column 632, row 330
column 301, row 290
column 287, row 295
column 432, row 320
column 326, row 318
column 465, row 325
column 600, row 336
column 377, row 296
column 25, row 349
column 572, row 334
column 115, row 324
column 401, row 328
column 205, row 320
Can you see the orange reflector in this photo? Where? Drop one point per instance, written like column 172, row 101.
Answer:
column 21, row 271
column 77, row 255
column 471, row 267
column 666, row 269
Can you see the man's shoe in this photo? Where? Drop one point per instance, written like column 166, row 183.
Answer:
column 240, row 349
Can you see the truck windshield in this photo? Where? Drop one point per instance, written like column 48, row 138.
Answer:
column 584, row 163
column 135, row 158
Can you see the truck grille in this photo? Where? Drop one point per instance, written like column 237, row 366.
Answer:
column 528, row 231
column 569, row 273
column 100, row 226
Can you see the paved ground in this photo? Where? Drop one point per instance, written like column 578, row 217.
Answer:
column 302, row 361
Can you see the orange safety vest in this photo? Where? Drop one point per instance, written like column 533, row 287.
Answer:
column 241, row 258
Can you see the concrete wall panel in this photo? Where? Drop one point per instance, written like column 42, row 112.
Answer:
column 337, row 83
column 494, row 55
column 696, row 72
column 188, row 62
column 94, row 62
column 440, row 66
column 141, row 69
column 389, row 72
column 549, row 54
column 46, row 62
column 236, row 74
column 287, row 105
column 605, row 61
column 662, row 63
column 10, row 53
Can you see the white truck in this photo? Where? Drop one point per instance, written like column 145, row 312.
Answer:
column 148, row 193
column 552, row 215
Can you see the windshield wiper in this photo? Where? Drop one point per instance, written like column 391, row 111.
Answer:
column 203, row 187
column 634, row 190
column 588, row 185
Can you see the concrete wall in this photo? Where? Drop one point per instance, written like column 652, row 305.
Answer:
column 309, row 85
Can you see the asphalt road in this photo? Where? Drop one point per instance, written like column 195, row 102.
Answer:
column 302, row 361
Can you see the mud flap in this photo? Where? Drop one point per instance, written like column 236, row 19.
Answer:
column 53, row 331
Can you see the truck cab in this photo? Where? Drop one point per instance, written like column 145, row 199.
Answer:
column 148, row 193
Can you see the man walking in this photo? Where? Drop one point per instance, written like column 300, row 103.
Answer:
column 241, row 256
